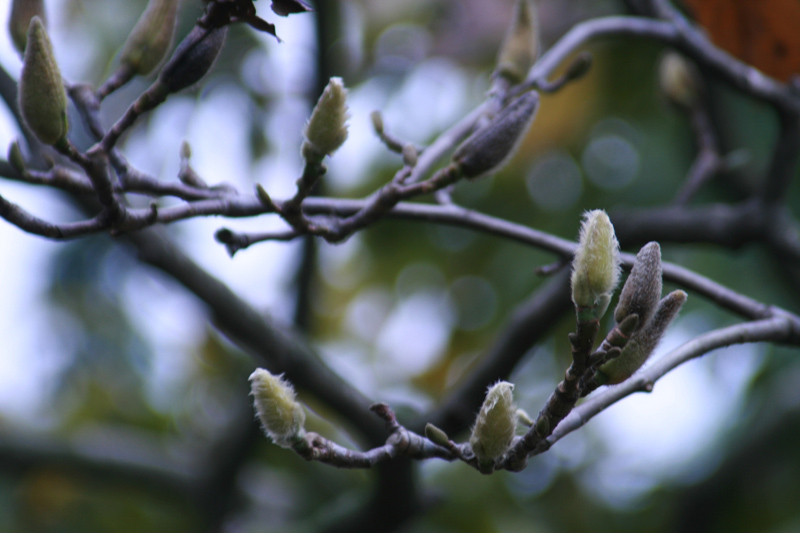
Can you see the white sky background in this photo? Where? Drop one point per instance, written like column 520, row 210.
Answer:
column 648, row 437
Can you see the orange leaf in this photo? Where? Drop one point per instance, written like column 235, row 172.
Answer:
column 764, row 33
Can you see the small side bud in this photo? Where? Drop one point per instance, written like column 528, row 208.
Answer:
column 19, row 20
column 595, row 269
column 436, row 435
column 496, row 423
column 642, row 289
column 488, row 149
column 151, row 37
column 193, row 58
column 643, row 342
column 326, row 130
column 524, row 418
column 377, row 122
column 42, row 98
column 15, row 158
column 410, row 155
column 186, row 150
column 281, row 415
column 679, row 80
column 521, row 44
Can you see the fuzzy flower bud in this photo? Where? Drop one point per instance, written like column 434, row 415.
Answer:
column 595, row 269
column 642, row 289
column 193, row 58
column 151, row 37
column 490, row 147
column 326, row 130
column 496, row 423
column 678, row 80
column 22, row 11
column 520, row 47
column 281, row 415
column 643, row 342
column 42, row 98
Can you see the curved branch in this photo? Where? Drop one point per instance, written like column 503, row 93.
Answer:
column 776, row 329
column 677, row 32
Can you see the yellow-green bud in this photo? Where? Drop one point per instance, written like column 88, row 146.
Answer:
column 151, row 37
column 520, row 47
column 643, row 342
column 281, row 415
column 496, row 423
column 491, row 146
column 22, row 11
column 642, row 289
column 678, row 79
column 326, row 130
column 595, row 269
column 436, row 435
column 42, row 98
column 15, row 158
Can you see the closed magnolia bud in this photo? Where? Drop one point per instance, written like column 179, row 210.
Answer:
column 496, row 423
column 436, row 435
column 491, row 146
column 326, row 130
column 520, row 47
column 281, row 415
column 642, row 289
column 15, row 158
column 643, row 342
column 595, row 269
column 151, row 37
column 193, row 58
column 22, row 11
column 42, row 98
column 678, row 79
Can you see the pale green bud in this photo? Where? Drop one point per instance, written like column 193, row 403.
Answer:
column 643, row 342
column 595, row 269
column 496, row 423
column 281, row 415
column 520, row 47
column 642, row 289
column 42, row 98
column 436, row 435
column 326, row 130
column 488, row 149
column 151, row 37
column 19, row 20
column 15, row 157
column 678, row 79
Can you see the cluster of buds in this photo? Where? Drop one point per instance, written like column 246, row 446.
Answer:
column 641, row 297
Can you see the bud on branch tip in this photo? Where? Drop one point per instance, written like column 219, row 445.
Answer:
column 151, row 37
column 326, row 130
column 496, row 423
column 520, row 47
column 281, row 415
column 42, row 98
column 595, row 269
column 22, row 11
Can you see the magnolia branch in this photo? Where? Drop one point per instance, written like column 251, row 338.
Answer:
column 776, row 329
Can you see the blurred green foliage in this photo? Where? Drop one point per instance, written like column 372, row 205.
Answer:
column 107, row 359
